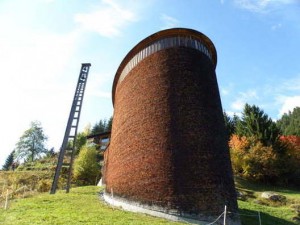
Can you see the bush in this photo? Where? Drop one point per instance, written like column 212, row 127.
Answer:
column 278, row 163
column 44, row 185
column 292, row 159
column 86, row 167
column 253, row 160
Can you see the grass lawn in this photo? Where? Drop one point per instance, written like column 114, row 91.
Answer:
column 82, row 206
column 270, row 214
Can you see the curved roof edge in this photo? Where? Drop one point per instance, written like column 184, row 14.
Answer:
column 160, row 35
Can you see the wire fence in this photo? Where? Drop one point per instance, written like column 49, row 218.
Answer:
column 225, row 218
column 21, row 192
column 225, row 213
column 255, row 217
column 216, row 220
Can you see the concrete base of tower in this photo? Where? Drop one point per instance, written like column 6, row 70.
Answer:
column 170, row 214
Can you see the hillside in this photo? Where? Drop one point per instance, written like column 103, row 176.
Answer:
column 83, row 206
column 80, row 206
column 281, row 212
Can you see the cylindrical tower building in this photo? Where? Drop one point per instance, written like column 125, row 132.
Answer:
column 168, row 147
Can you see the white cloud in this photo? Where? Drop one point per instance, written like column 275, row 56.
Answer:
column 101, row 94
column 243, row 98
column 96, row 85
column 276, row 26
column 292, row 84
column 225, row 91
column 280, row 96
column 169, row 22
column 238, row 104
column 33, row 77
column 262, row 6
column 48, row 1
column 108, row 21
column 232, row 114
column 250, row 94
column 288, row 103
column 287, row 95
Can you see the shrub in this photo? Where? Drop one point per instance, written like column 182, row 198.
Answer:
column 86, row 167
column 292, row 145
column 251, row 159
column 278, row 163
column 44, row 185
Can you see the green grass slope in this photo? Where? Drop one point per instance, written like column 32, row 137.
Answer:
column 82, row 206
column 272, row 213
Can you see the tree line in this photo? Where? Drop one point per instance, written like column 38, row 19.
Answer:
column 31, row 145
column 262, row 149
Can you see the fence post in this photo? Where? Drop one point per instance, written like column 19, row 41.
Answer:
column 225, row 212
column 259, row 218
column 6, row 200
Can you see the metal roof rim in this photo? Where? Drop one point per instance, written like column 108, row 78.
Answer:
column 160, row 35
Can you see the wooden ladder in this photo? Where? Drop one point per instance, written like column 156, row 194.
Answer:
column 68, row 144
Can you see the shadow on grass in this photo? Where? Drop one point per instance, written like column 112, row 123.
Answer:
column 250, row 217
column 253, row 186
column 260, row 186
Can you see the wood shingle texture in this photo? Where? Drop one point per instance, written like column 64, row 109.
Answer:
column 168, row 143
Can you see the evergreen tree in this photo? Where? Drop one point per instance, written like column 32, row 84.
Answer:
column 99, row 127
column 31, row 143
column 109, row 124
column 255, row 123
column 102, row 126
column 230, row 124
column 9, row 161
column 289, row 123
column 50, row 153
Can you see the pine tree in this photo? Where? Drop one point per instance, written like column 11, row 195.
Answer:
column 102, row 126
column 109, row 124
column 255, row 123
column 289, row 123
column 9, row 161
column 230, row 124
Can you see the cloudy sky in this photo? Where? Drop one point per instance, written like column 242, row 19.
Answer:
column 44, row 42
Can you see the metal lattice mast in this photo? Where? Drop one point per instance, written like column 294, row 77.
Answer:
column 67, row 150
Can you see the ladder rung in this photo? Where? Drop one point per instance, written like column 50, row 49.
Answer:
column 76, row 108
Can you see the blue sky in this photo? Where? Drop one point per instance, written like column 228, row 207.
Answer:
column 44, row 42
